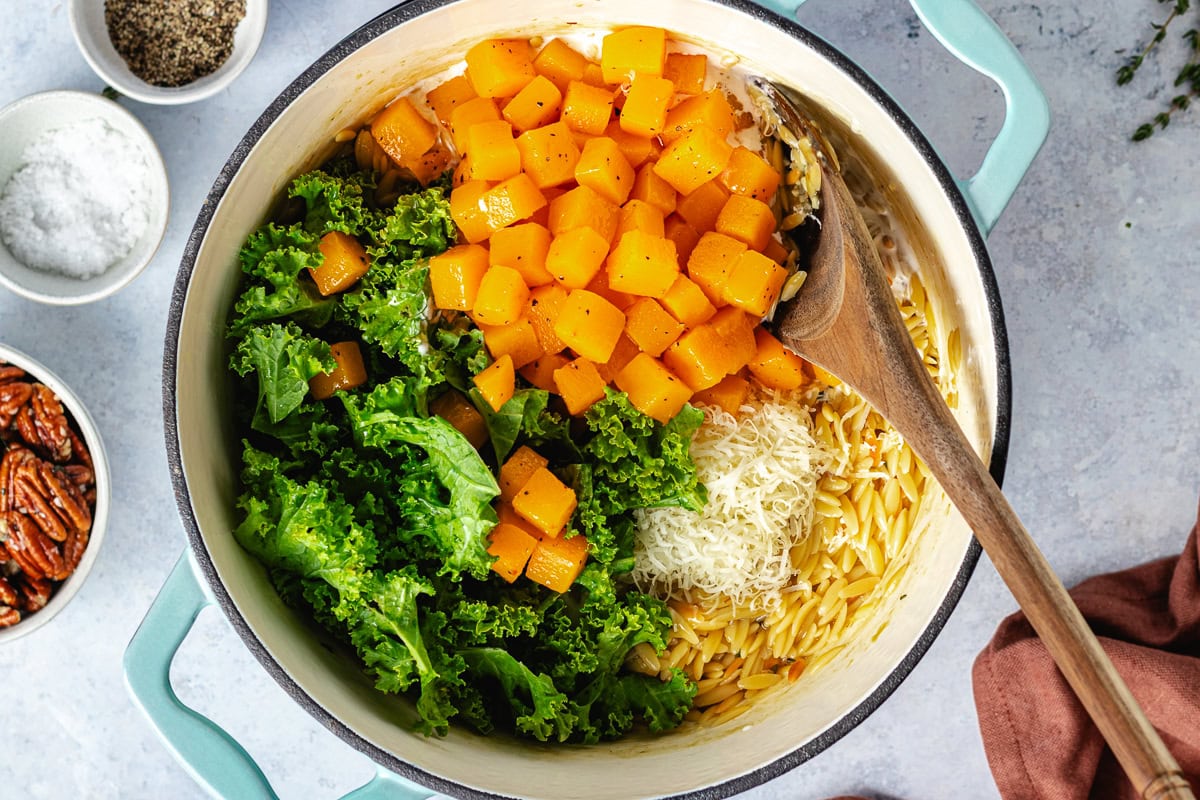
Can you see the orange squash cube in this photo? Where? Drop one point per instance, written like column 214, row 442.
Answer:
column 636, row 149
column 650, row 327
column 593, row 75
column 643, row 264
column 650, row 188
column 775, row 251
column 522, row 247
column 686, row 302
column 402, row 131
column 589, row 325
column 645, row 109
column 709, row 110
column 702, row 207
column 448, row 95
column 687, row 72
column 747, row 220
column 749, row 175
column 462, row 172
column 535, row 105
column 576, row 256
column 560, row 63
column 695, row 158
column 600, row 286
column 467, row 211
column 512, row 548
column 430, row 165
column 557, row 562
column 699, row 357
column 548, row 154
column 540, row 371
column 348, row 373
column 603, row 168
column 517, row 470
column 462, row 415
column 494, row 154
column 685, row 237
column 652, row 388
column 510, row 201
column 545, row 502
column 711, row 262
column 754, row 283
column 580, row 385
column 583, row 207
column 454, row 276
column 545, row 304
column 774, row 365
column 735, row 329
column 500, row 67
column 345, row 261
column 586, row 108
column 622, row 354
column 501, row 297
column 518, row 341
column 497, row 383
column 466, row 114
column 638, row 215
column 506, row 516
column 637, row 50
column 730, row 394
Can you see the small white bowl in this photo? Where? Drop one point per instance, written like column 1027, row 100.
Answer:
column 91, row 34
column 91, row 437
column 20, row 123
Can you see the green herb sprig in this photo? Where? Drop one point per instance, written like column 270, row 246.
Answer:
column 1187, row 80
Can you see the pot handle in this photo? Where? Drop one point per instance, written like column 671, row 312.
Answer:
column 210, row 755
column 972, row 37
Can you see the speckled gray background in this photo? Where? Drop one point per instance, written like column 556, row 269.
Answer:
column 1097, row 268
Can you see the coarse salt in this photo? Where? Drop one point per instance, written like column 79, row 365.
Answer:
column 78, row 202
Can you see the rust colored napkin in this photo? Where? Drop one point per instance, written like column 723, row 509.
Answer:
column 1039, row 741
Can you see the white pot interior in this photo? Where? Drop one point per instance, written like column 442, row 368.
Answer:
column 345, row 96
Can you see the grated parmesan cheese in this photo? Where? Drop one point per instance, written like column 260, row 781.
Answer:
column 761, row 471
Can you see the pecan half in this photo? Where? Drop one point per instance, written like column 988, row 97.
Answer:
column 81, row 476
column 65, row 496
column 9, row 617
column 16, row 456
column 13, row 397
column 72, row 551
column 8, row 595
column 34, row 594
column 35, row 552
column 23, row 424
column 50, row 421
column 10, row 372
column 80, row 450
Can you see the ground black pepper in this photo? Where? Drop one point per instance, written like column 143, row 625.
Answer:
column 173, row 42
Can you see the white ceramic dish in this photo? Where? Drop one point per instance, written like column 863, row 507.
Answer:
column 20, row 123
column 91, row 34
column 91, row 437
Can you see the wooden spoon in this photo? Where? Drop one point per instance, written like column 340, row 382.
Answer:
column 845, row 319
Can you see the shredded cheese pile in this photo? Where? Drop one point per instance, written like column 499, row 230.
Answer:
column 761, row 471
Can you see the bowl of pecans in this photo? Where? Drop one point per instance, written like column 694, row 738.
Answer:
column 54, row 494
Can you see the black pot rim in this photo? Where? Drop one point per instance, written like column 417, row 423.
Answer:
column 377, row 27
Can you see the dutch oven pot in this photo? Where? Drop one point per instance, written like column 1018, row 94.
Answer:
column 946, row 219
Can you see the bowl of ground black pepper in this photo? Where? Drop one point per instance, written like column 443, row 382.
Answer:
column 168, row 51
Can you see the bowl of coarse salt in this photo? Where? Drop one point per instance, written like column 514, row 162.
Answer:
column 83, row 197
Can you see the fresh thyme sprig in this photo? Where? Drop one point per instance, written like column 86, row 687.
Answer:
column 1188, row 78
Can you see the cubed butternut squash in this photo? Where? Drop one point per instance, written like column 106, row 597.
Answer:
column 507, row 516
column 686, row 71
column 548, row 154
column 643, row 264
column 430, row 165
column 501, row 297
column 559, row 62
column 522, row 247
column 685, row 237
column 603, row 168
column 540, row 371
column 497, row 383
column 510, row 201
column 462, row 415
column 494, row 154
column 711, row 262
column 645, row 110
column 535, row 105
column 600, row 286
column 402, row 131
column 709, row 110
column 589, row 325
column 500, row 67
column 512, row 548
column 638, row 215
column 775, row 250
column 593, row 75
column 348, row 373
column 773, row 365
column 518, row 341
column 468, row 113
column 344, row 262
column 517, row 470
column 650, row 188
column 622, row 354
column 576, row 256
column 580, row 385
column 637, row 50
column 545, row 502
column 749, row 175
column 747, row 220
column 636, row 149
column 448, row 95
column 650, row 327
column 653, row 389
column 557, row 562
column 735, row 329
column 699, row 357
column 730, row 394
column 695, row 158
column 586, row 108
column 454, row 276
column 467, row 211
column 584, row 207
column 545, row 304
column 754, row 283
column 702, row 207
column 686, row 302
